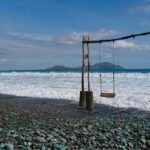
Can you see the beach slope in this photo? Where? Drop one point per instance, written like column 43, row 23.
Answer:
column 40, row 123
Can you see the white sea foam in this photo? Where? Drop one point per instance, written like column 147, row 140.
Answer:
column 133, row 89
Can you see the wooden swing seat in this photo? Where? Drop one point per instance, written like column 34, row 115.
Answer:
column 109, row 95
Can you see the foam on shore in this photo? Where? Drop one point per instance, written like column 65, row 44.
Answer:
column 133, row 89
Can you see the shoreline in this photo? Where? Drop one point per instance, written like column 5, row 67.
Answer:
column 67, row 105
column 36, row 123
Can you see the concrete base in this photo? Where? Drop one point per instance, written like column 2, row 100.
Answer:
column 82, row 101
column 89, row 101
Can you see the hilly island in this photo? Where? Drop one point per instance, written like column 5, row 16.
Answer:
column 98, row 66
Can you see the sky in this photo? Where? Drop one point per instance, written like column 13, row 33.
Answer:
column 36, row 34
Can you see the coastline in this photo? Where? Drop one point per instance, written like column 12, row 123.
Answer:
column 61, row 124
column 69, row 107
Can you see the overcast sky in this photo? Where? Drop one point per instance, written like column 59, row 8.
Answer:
column 35, row 34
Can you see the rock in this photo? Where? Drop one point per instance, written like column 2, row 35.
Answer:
column 40, row 139
column 25, row 143
column 130, row 144
column 2, row 145
column 24, row 148
column 58, row 147
column 36, row 146
column 63, row 140
column 89, row 144
column 89, row 127
column 84, row 129
column 122, row 147
column 48, row 145
column 8, row 134
column 143, row 140
column 56, row 130
column 73, row 138
column 9, row 147
column 29, row 139
column 123, row 140
column 43, row 147
column 37, row 132
column 49, row 137
column 148, row 143
column 19, row 147
column 15, row 135
column 54, row 140
column 29, row 144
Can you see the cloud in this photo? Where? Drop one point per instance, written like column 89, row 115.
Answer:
column 36, row 37
column 76, row 37
column 20, row 52
column 68, row 39
column 3, row 61
column 21, row 42
column 124, row 44
column 132, row 46
column 29, row 51
column 145, row 8
column 18, row 41
column 145, row 23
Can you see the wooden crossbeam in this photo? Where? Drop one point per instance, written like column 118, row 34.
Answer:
column 116, row 39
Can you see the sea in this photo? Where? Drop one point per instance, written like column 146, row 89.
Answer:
column 132, row 86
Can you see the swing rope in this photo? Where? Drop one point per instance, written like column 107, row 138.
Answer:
column 113, row 67
column 100, row 75
column 113, row 70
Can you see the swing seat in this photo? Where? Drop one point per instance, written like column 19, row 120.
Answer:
column 109, row 95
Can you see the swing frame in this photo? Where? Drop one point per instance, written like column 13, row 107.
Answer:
column 87, row 42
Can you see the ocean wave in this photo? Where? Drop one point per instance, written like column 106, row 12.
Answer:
column 133, row 89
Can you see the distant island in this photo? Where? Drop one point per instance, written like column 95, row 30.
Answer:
column 102, row 66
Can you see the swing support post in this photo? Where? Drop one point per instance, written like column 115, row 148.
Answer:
column 82, row 100
column 86, row 97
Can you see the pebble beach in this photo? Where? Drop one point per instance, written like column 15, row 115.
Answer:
column 55, row 124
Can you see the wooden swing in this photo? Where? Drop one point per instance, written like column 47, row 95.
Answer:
column 107, row 94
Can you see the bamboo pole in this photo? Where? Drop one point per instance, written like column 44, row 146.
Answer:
column 88, row 67
column 82, row 100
